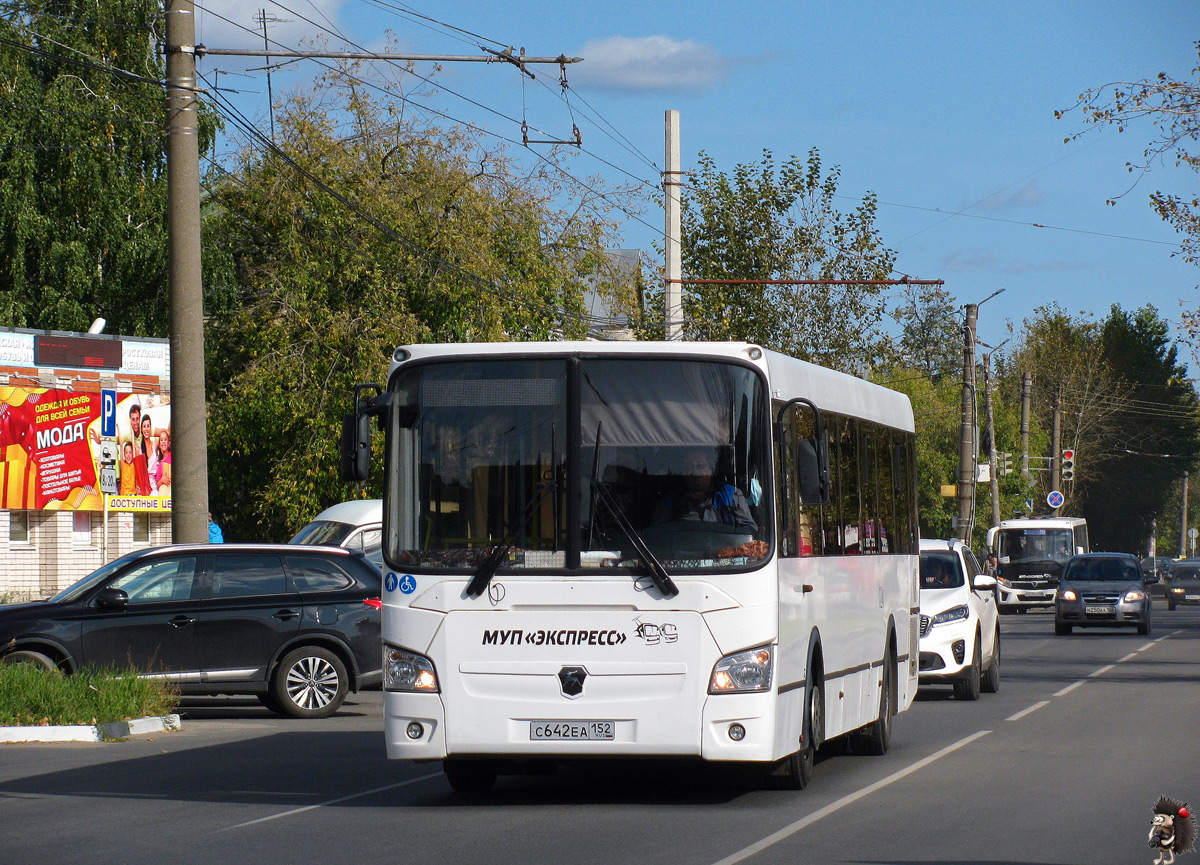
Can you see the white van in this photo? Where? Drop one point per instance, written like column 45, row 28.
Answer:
column 356, row 525
column 1032, row 553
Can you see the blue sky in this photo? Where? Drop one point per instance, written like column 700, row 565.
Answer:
column 933, row 106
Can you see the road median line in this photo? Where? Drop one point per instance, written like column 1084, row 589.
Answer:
column 1021, row 714
column 804, row 822
column 295, row 811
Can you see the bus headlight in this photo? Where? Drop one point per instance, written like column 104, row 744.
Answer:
column 408, row 671
column 742, row 672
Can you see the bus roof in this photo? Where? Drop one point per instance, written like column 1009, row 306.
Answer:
column 1042, row 523
column 829, row 389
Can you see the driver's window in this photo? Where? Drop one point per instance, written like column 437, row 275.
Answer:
column 168, row 580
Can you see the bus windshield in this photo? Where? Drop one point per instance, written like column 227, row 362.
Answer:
column 553, row 464
column 1034, row 545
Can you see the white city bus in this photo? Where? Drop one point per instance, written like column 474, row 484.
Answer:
column 593, row 549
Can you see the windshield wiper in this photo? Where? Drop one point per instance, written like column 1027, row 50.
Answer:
column 657, row 572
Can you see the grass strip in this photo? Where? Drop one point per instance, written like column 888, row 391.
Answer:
column 33, row 697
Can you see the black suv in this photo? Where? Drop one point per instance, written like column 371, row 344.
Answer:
column 296, row 626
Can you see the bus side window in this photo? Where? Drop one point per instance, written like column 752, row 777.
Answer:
column 799, row 475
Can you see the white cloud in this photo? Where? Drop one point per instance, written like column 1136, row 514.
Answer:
column 969, row 260
column 648, row 64
column 1027, row 196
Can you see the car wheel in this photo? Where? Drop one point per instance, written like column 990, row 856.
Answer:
column 967, row 688
column 795, row 771
column 469, row 777
column 310, row 682
column 991, row 676
column 876, row 738
column 1170, row 605
column 1062, row 630
column 1144, row 627
column 36, row 659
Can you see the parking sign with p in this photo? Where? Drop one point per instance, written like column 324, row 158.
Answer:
column 108, row 413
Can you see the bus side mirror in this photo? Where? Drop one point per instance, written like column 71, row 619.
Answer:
column 356, row 433
column 813, row 470
column 356, row 447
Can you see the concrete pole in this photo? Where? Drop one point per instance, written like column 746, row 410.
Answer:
column 1056, row 448
column 966, row 438
column 189, row 428
column 1026, row 399
column 672, row 253
column 991, row 427
column 1183, row 526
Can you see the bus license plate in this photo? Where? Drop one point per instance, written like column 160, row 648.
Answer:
column 571, row 729
column 1099, row 610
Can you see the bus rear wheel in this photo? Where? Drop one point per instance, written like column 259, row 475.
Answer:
column 876, row 738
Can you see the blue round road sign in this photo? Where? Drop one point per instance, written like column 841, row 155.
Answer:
column 1054, row 499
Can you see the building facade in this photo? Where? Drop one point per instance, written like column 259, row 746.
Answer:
column 85, row 477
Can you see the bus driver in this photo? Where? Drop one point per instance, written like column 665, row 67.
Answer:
column 704, row 500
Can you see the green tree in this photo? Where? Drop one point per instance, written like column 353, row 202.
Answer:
column 1065, row 356
column 766, row 221
column 1159, row 431
column 82, row 165
column 931, row 338
column 430, row 238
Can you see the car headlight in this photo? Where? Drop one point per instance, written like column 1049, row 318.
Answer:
column 1134, row 595
column 1068, row 595
column 1177, row 590
column 742, row 672
column 407, row 671
column 954, row 614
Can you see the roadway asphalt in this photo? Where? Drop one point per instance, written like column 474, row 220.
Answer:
column 1061, row 766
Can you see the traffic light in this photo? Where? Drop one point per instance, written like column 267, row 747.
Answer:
column 1068, row 465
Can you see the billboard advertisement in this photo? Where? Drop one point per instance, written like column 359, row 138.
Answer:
column 53, row 449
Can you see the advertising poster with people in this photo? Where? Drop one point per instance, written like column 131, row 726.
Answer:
column 52, row 450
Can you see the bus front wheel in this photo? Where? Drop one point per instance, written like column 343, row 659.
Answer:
column 469, row 777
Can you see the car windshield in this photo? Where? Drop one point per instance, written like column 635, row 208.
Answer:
column 1101, row 570
column 1037, row 544
column 93, row 579
column 323, row 533
column 1185, row 573
column 940, row 570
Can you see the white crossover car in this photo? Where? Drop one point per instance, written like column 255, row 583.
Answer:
column 960, row 629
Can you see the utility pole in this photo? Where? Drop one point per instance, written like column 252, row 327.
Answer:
column 672, row 253
column 263, row 18
column 1183, row 519
column 189, row 423
column 1026, row 398
column 966, row 437
column 1056, row 447
column 991, row 428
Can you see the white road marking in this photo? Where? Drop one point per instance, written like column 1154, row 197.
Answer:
column 1021, row 714
column 1101, row 671
column 1149, row 645
column 1069, row 688
column 1128, row 657
column 295, row 811
column 804, row 822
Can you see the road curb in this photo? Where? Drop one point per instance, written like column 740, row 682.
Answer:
column 93, row 733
